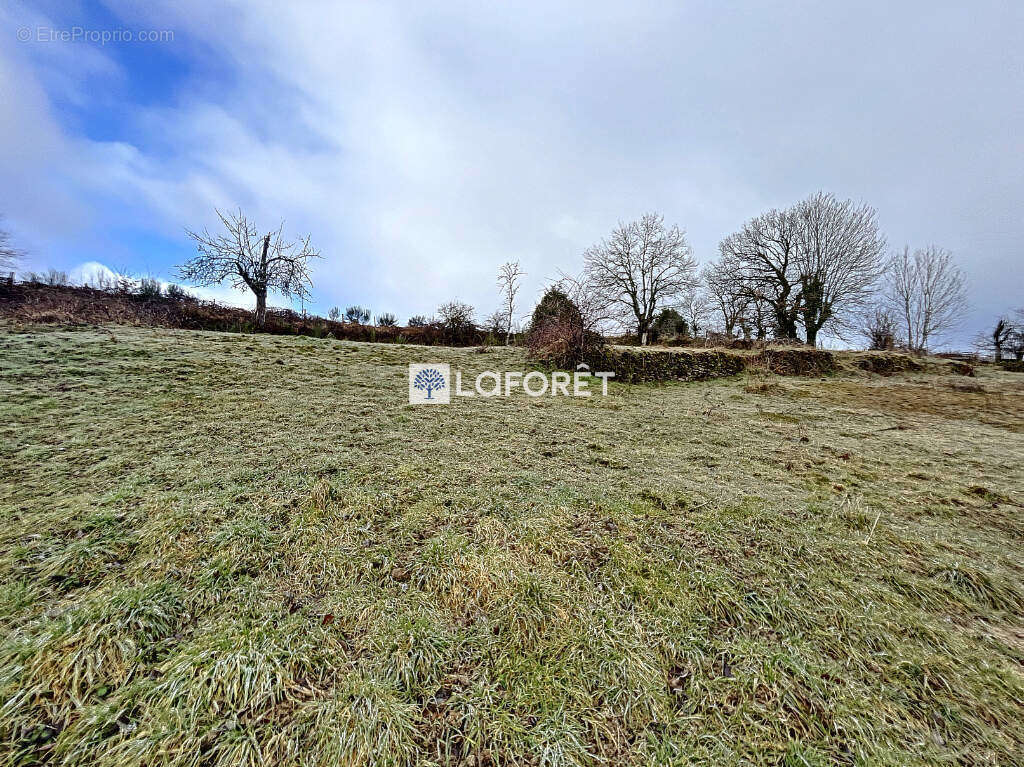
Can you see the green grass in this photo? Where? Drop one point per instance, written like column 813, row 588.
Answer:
column 225, row 549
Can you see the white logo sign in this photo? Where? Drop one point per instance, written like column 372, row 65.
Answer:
column 430, row 383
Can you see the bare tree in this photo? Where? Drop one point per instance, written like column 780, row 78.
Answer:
column 259, row 261
column 456, row 315
column 839, row 260
column 456, row 321
column 814, row 264
column 696, row 310
column 724, row 296
column 928, row 292
column 9, row 255
column 755, row 321
column 642, row 266
column 999, row 339
column 758, row 263
column 495, row 324
column 1015, row 339
column 509, row 277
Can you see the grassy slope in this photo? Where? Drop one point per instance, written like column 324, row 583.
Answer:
column 217, row 548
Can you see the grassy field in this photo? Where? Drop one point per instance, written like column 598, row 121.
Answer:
column 226, row 550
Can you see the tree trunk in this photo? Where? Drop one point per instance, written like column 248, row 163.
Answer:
column 641, row 330
column 786, row 327
column 261, row 290
column 785, row 320
column 261, row 309
column 812, row 336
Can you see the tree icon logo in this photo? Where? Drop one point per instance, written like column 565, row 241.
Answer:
column 428, row 384
column 429, row 380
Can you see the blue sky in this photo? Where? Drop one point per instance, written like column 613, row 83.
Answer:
column 423, row 145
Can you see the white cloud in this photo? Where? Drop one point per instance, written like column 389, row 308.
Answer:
column 94, row 274
column 422, row 147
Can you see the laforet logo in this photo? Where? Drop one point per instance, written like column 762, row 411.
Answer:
column 429, row 383
column 433, row 383
column 429, row 380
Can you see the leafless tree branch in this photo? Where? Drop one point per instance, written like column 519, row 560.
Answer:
column 642, row 266
column 9, row 255
column 249, row 258
column 509, row 277
column 928, row 292
column 814, row 264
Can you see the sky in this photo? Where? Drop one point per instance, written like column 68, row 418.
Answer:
column 422, row 145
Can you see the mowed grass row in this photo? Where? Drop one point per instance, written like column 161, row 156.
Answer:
column 222, row 549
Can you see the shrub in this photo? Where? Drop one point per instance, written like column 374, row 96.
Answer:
column 456, row 319
column 558, row 332
column 178, row 293
column 150, row 288
column 880, row 330
column 455, row 314
column 669, row 325
column 357, row 314
column 387, row 320
column 560, row 342
column 555, row 304
column 51, row 277
column 334, row 313
column 496, row 325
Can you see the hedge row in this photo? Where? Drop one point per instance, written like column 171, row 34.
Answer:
column 76, row 305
